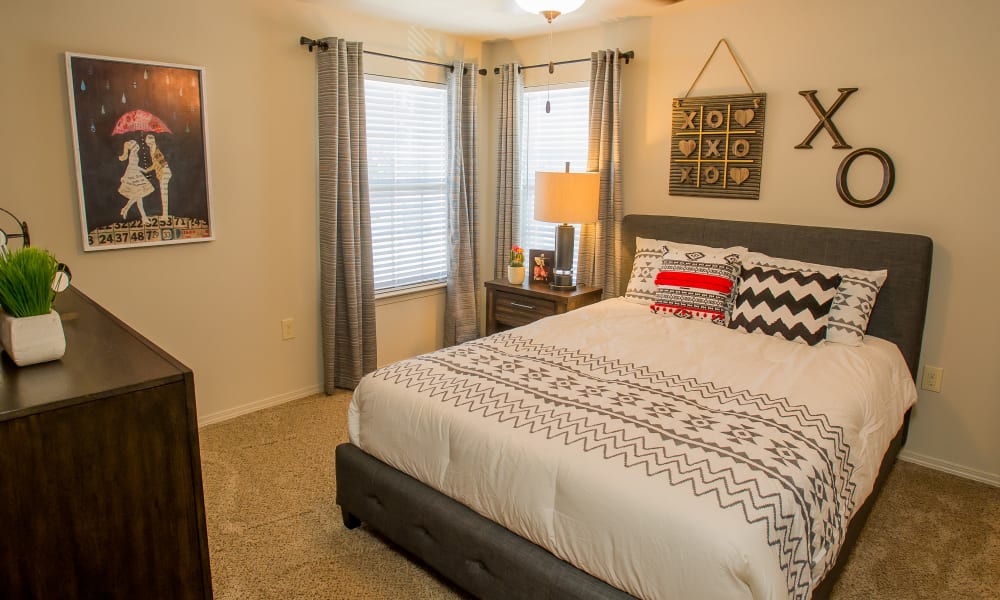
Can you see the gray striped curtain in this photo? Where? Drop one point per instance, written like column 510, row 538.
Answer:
column 347, row 288
column 600, row 242
column 461, row 319
column 511, row 92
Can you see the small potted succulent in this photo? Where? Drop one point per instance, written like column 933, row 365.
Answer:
column 515, row 271
column 30, row 331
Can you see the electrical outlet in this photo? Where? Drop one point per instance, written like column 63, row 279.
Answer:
column 931, row 380
column 287, row 329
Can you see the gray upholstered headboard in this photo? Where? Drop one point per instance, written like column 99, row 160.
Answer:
column 901, row 305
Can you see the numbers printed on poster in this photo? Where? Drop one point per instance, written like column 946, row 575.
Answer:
column 153, row 230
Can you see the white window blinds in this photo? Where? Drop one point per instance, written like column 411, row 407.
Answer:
column 407, row 140
column 549, row 141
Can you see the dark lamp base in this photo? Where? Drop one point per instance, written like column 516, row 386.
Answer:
column 562, row 288
column 562, row 282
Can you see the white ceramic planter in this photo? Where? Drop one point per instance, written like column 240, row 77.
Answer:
column 31, row 340
column 515, row 275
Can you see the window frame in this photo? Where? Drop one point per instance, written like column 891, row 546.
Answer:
column 528, row 174
column 398, row 289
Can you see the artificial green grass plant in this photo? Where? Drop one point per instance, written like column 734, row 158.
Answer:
column 26, row 282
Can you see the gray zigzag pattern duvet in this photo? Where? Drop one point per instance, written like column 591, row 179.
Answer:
column 756, row 486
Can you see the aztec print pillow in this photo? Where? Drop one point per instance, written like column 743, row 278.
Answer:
column 794, row 305
column 853, row 304
column 693, row 284
column 641, row 287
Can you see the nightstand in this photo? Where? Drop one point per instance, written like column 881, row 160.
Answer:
column 510, row 305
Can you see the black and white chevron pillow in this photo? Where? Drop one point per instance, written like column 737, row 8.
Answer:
column 852, row 306
column 793, row 305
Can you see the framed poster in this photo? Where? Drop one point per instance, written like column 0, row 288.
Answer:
column 141, row 152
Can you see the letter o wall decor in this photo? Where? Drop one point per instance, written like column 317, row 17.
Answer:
column 888, row 177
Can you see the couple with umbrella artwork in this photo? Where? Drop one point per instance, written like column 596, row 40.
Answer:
column 135, row 185
column 141, row 152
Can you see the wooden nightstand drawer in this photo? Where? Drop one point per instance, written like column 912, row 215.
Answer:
column 514, row 310
column 510, row 305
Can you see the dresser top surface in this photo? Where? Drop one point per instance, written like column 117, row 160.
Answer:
column 103, row 356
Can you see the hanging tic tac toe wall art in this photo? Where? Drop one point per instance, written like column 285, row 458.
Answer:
column 717, row 143
column 141, row 151
column 717, row 146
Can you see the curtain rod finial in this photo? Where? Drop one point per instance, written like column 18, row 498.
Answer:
column 311, row 43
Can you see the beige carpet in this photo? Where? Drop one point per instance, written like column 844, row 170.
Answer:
column 275, row 532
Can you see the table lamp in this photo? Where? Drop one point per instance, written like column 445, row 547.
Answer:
column 566, row 198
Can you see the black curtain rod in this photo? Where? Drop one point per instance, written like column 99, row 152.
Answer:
column 311, row 43
column 628, row 56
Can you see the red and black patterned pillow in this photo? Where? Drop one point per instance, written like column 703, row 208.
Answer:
column 696, row 284
column 641, row 287
column 786, row 303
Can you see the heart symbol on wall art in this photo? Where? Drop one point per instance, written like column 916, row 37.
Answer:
column 743, row 116
column 739, row 175
column 686, row 146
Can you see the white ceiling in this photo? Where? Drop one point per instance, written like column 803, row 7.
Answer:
column 491, row 19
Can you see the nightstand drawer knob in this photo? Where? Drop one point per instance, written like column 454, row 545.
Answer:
column 527, row 306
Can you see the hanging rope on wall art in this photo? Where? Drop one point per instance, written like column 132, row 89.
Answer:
column 717, row 142
column 710, row 57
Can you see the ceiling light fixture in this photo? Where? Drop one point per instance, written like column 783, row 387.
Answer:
column 550, row 9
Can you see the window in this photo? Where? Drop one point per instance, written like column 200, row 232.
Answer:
column 407, row 182
column 549, row 141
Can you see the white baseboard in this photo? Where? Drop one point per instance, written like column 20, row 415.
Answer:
column 232, row 413
column 950, row 467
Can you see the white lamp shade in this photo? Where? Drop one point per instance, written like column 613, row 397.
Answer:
column 560, row 6
column 566, row 197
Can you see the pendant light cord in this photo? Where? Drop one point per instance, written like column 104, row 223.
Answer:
column 548, row 78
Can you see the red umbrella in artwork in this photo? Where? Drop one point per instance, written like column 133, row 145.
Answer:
column 139, row 120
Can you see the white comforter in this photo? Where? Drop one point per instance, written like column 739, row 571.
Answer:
column 669, row 458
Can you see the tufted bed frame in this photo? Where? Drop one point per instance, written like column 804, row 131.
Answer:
column 489, row 561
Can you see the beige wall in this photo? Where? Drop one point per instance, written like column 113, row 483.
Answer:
column 927, row 79
column 216, row 305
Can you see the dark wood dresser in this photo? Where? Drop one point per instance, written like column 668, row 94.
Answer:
column 509, row 305
column 100, row 470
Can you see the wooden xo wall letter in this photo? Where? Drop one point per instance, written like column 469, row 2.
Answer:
column 826, row 122
column 826, row 117
column 888, row 178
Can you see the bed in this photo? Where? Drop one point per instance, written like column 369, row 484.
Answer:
column 569, row 529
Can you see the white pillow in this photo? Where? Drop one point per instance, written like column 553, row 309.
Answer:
column 855, row 299
column 648, row 260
